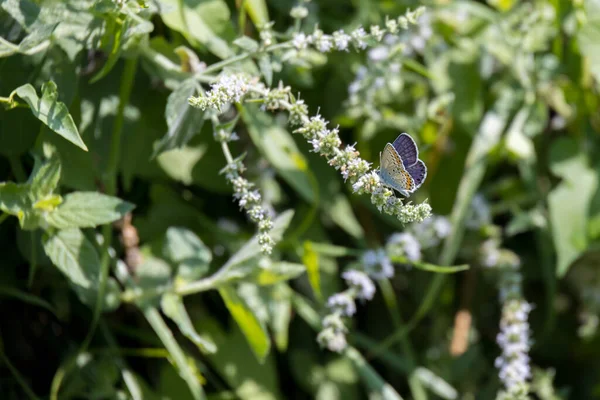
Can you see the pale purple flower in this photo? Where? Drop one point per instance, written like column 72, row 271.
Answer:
column 342, row 303
column 361, row 282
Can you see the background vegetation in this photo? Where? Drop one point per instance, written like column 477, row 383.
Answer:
column 173, row 224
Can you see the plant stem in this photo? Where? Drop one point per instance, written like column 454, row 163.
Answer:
column 240, row 57
column 18, row 377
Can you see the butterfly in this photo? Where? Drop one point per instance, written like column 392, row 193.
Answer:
column 400, row 167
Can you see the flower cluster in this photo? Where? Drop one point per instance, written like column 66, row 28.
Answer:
column 248, row 197
column 229, row 88
column 404, row 245
column 432, row 231
column 514, row 338
column 377, row 264
column 325, row 141
column 359, row 38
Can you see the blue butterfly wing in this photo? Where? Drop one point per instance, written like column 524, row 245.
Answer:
column 393, row 173
column 418, row 172
column 407, row 149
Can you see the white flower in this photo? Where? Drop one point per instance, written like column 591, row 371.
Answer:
column 442, row 227
column 361, row 282
column 378, row 53
column 342, row 303
column 341, row 40
column 405, row 244
column 377, row 264
column 300, row 41
column 358, row 36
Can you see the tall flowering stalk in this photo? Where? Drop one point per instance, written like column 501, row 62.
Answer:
column 514, row 338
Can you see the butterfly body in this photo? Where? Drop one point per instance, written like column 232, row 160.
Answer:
column 400, row 167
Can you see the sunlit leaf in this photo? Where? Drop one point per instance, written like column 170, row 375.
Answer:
column 253, row 329
column 51, row 112
column 87, row 209
column 172, row 306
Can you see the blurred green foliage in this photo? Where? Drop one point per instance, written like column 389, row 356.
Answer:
column 129, row 273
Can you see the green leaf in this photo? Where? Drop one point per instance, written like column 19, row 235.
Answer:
column 311, row 260
column 77, row 259
column 74, row 256
column 181, row 243
column 115, row 51
column 252, row 248
column 201, row 22
column 280, row 314
column 37, row 40
column 50, row 111
column 251, row 326
column 258, row 12
column 279, row 148
column 183, row 121
column 569, row 202
column 7, row 48
column 87, row 209
column 340, row 211
column 44, row 178
column 247, row 44
column 14, row 198
column 374, row 382
column 186, row 370
column 172, row 306
column 277, row 272
column 250, row 380
column 588, row 38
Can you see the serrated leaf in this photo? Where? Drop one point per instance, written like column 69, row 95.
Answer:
column 51, row 112
column 183, row 121
column 88, row 209
column 247, row 44
column 277, row 272
column 172, row 306
column 251, row 326
column 252, row 248
column 74, row 256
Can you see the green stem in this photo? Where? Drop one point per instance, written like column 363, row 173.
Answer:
column 127, row 79
column 3, row 217
column 240, row 57
column 18, row 377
